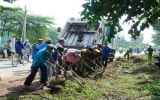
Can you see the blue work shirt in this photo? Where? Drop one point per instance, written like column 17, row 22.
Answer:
column 35, row 50
column 40, row 58
column 54, row 55
column 158, row 58
column 43, row 46
column 60, row 56
column 105, row 51
column 19, row 47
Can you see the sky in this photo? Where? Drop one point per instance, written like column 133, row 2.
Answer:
column 64, row 9
column 60, row 9
column 147, row 33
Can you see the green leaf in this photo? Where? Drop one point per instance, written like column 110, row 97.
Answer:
column 113, row 10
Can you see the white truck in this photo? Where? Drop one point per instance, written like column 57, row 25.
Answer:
column 77, row 34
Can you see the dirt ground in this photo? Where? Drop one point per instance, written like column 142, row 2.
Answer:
column 13, row 83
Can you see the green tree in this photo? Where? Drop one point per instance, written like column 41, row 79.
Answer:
column 37, row 26
column 156, row 36
column 2, row 8
column 120, row 41
column 140, row 13
column 10, row 22
column 9, row 1
column 53, row 34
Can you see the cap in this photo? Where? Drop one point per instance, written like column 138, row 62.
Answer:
column 19, row 39
column 48, row 40
column 61, row 39
column 89, row 46
column 98, row 44
column 27, row 40
column 40, row 39
column 96, row 50
column 50, row 47
column 65, row 49
column 77, row 53
column 105, row 42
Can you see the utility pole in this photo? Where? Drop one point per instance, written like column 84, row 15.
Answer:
column 23, row 35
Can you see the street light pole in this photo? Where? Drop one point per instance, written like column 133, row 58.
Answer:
column 23, row 35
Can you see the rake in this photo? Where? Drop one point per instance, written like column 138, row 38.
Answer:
column 69, row 74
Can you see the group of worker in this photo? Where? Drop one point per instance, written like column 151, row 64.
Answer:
column 149, row 50
column 46, row 56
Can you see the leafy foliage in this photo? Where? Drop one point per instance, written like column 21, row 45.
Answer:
column 140, row 13
column 8, row 8
column 2, row 8
column 53, row 34
column 156, row 36
column 37, row 26
column 138, row 60
column 9, row 1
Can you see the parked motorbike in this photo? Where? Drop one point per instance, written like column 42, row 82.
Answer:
column 4, row 54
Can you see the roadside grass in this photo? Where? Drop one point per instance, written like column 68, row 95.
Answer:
column 136, row 79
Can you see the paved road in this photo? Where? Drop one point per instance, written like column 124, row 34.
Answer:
column 118, row 54
column 6, row 68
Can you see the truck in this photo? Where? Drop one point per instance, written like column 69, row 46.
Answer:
column 78, row 34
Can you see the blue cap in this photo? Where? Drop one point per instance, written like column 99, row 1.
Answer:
column 89, row 46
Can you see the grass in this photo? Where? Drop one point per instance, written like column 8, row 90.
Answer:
column 135, row 79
